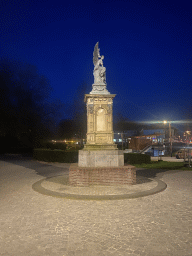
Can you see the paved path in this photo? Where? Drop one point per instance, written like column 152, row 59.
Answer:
column 38, row 225
column 166, row 158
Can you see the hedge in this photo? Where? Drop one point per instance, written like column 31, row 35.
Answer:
column 60, row 156
column 135, row 158
column 63, row 156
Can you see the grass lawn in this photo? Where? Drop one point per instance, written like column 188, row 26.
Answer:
column 164, row 165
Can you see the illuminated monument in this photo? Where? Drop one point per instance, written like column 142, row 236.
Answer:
column 100, row 161
column 100, row 149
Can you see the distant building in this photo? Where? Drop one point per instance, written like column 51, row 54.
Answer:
column 138, row 142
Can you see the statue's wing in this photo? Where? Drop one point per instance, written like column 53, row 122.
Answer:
column 96, row 53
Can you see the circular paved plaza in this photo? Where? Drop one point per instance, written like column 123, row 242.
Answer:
column 58, row 186
column 98, row 223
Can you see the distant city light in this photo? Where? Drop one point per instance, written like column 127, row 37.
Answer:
column 160, row 122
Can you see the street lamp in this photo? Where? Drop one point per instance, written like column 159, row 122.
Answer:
column 122, row 139
column 170, row 136
column 121, row 134
column 189, row 151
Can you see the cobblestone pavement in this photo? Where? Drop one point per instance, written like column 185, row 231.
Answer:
column 34, row 224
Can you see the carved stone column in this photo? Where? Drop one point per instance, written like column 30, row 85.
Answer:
column 100, row 122
column 100, row 149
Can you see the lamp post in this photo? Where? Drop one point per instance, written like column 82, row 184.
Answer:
column 170, row 137
column 122, row 139
column 188, row 151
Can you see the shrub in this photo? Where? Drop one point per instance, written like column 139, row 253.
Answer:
column 61, row 146
column 134, row 158
column 52, row 146
column 61, row 156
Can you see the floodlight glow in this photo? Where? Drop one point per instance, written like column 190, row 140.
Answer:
column 160, row 122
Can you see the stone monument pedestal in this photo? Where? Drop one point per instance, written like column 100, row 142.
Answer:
column 101, row 158
column 86, row 176
column 101, row 167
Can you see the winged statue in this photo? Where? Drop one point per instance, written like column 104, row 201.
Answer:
column 99, row 71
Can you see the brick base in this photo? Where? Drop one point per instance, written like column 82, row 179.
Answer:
column 85, row 176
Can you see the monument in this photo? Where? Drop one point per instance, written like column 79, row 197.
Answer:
column 100, row 162
column 100, row 149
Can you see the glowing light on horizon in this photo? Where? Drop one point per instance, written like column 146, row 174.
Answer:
column 169, row 121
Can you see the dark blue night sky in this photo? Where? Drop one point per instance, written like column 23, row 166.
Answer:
column 147, row 47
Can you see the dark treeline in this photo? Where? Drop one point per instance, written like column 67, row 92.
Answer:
column 76, row 126
column 29, row 118
column 26, row 114
column 123, row 124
